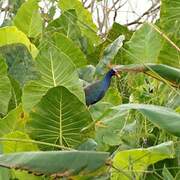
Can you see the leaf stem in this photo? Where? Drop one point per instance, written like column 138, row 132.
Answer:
column 35, row 142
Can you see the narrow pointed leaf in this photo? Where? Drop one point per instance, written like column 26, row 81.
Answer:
column 57, row 163
column 109, row 53
column 159, row 71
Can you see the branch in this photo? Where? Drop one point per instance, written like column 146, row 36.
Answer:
column 150, row 10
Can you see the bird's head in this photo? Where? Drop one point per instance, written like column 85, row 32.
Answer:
column 114, row 72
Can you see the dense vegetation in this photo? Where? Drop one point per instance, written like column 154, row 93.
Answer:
column 45, row 126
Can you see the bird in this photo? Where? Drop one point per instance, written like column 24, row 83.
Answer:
column 96, row 91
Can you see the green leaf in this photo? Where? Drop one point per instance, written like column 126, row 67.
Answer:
column 167, row 72
column 114, row 32
column 99, row 109
column 85, row 22
column 170, row 20
column 131, row 163
column 169, row 54
column 4, row 174
column 57, row 163
column 170, row 24
column 159, row 71
column 166, row 174
column 28, row 18
column 21, row 175
column 144, row 45
column 109, row 54
column 5, row 88
column 14, row 120
column 66, row 24
column 87, row 73
column 15, row 4
column 13, row 146
column 55, row 69
column 113, row 96
column 112, row 35
column 88, row 145
column 66, row 46
column 108, row 124
column 163, row 117
column 117, row 30
column 108, row 129
column 57, row 120
column 20, row 63
column 177, row 177
column 16, row 93
column 3, row 67
column 11, row 35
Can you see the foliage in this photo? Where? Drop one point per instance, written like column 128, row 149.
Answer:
column 45, row 126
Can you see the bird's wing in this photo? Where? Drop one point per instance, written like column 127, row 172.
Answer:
column 92, row 88
column 93, row 92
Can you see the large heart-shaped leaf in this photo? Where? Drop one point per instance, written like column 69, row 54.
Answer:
column 28, row 18
column 144, row 45
column 56, row 163
column 161, row 116
column 55, row 69
column 59, row 118
column 11, row 35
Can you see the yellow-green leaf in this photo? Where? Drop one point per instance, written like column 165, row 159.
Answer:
column 11, row 35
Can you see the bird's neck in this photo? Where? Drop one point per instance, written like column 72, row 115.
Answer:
column 107, row 80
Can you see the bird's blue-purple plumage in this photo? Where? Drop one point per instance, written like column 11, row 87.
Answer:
column 96, row 91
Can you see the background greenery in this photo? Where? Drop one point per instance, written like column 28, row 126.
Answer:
column 46, row 128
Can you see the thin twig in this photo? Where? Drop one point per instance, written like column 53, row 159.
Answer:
column 150, row 10
column 165, row 36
